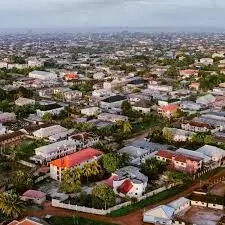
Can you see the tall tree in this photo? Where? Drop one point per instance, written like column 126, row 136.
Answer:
column 11, row 205
column 110, row 162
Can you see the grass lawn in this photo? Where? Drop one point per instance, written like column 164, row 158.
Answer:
column 148, row 201
column 75, row 221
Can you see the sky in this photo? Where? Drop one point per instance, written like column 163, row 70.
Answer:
column 111, row 13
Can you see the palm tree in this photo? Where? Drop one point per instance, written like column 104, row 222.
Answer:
column 77, row 172
column 87, row 170
column 95, row 168
column 127, row 128
column 11, row 205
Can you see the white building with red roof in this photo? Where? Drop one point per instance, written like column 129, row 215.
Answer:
column 87, row 155
column 168, row 110
column 128, row 181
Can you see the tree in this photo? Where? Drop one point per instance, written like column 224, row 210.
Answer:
column 11, row 205
column 175, row 177
column 95, row 168
column 126, row 108
column 168, row 135
column 22, row 181
column 71, row 181
column 48, row 117
column 110, row 162
column 127, row 127
column 104, row 193
column 152, row 168
column 87, row 171
column 124, row 159
column 172, row 72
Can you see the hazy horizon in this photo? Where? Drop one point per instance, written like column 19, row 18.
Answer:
column 44, row 14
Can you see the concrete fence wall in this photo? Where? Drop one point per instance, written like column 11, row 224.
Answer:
column 57, row 203
column 208, row 205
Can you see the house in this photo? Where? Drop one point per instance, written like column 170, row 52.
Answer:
column 84, row 140
column 168, row 110
column 190, row 106
column 70, row 161
column 112, row 102
column 128, row 181
column 112, row 117
column 180, row 204
column 194, row 86
column 99, row 76
column 36, row 197
column 102, row 93
column 90, row 111
column 177, row 135
column 52, row 108
column 160, row 215
column 206, row 61
column 188, row 73
column 49, row 131
column 42, row 75
column 143, row 106
column 198, row 127
column 188, row 164
column 206, row 159
column 7, row 117
column 8, row 138
column 216, row 154
column 206, row 99
column 55, row 150
column 24, row 101
column 3, row 129
column 72, row 95
column 71, row 76
column 29, row 221
column 163, row 88
column 133, row 152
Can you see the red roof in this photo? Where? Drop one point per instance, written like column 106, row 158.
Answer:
column 188, row 72
column 34, row 194
column 76, row 158
column 170, row 107
column 125, row 187
column 166, row 154
column 71, row 76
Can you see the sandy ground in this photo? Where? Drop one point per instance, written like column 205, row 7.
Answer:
column 218, row 190
column 201, row 216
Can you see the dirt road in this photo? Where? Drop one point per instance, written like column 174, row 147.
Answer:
column 134, row 218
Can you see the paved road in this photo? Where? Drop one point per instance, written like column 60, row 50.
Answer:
column 134, row 218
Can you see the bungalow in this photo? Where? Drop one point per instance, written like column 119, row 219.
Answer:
column 53, row 151
column 216, row 154
column 112, row 102
column 143, row 106
column 24, row 101
column 36, row 197
column 49, row 131
column 168, row 110
column 188, row 164
column 206, row 61
column 69, row 162
column 84, row 140
column 112, row 117
column 206, row 99
column 177, row 135
column 90, row 111
column 189, row 72
column 7, row 117
column 128, row 181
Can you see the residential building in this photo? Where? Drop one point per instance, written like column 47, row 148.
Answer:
column 206, row 99
column 188, row 164
column 7, row 117
column 53, row 109
column 55, row 150
column 49, row 131
column 69, row 162
column 29, row 221
column 91, row 111
column 177, row 135
column 128, row 181
column 102, row 93
column 42, row 75
column 112, row 117
column 143, row 106
column 163, row 88
column 188, row 73
column 112, row 102
column 6, row 139
column 72, row 95
column 198, row 127
column 37, row 197
column 84, row 140
column 168, row 110
column 216, row 154
column 24, row 101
